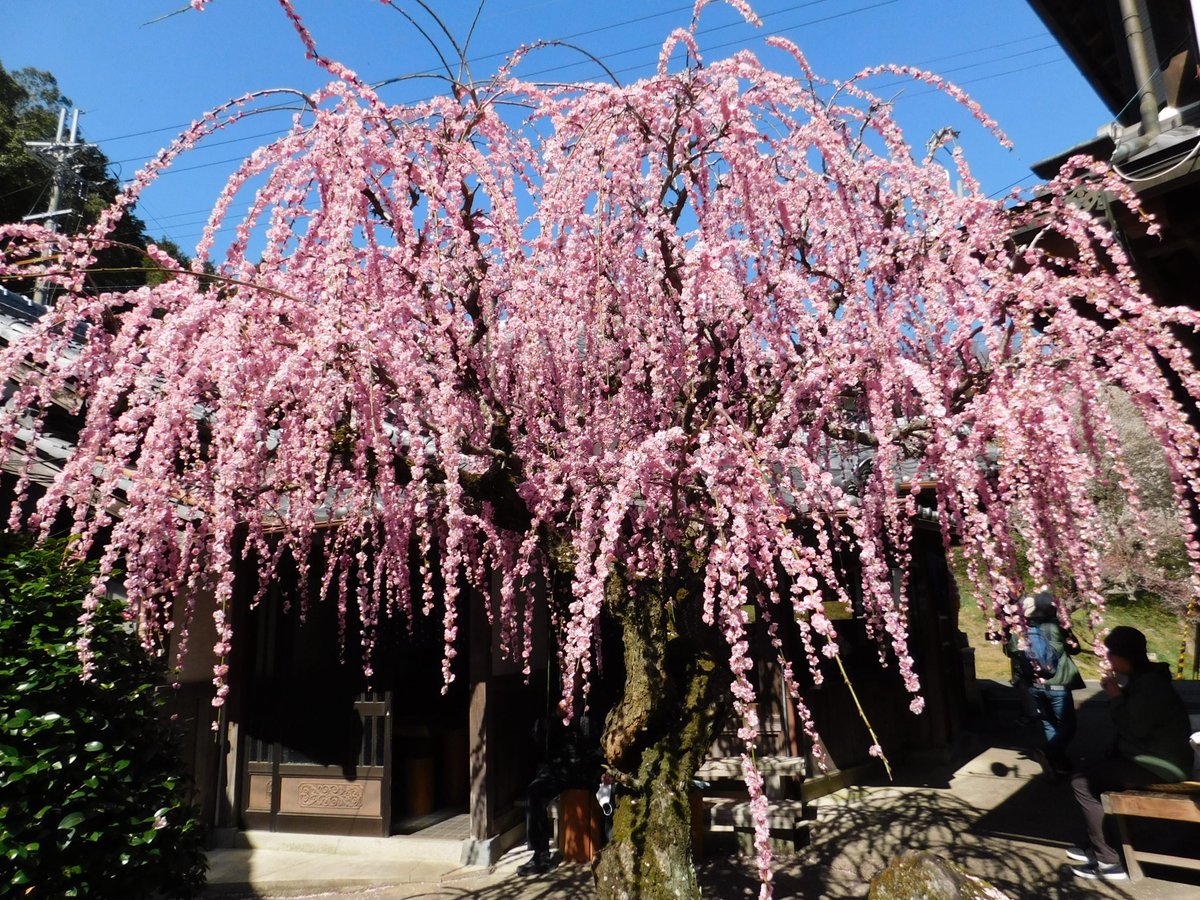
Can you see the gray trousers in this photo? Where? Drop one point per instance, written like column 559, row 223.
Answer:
column 1114, row 773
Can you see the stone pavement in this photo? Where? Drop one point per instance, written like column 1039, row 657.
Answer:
column 988, row 809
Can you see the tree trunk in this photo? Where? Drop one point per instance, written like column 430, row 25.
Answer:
column 658, row 734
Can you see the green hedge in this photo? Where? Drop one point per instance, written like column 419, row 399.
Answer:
column 93, row 800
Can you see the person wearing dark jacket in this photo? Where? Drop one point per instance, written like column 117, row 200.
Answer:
column 1151, row 747
column 571, row 759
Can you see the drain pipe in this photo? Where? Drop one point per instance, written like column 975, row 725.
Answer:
column 1143, row 74
column 1196, row 26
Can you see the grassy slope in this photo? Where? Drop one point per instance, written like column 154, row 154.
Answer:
column 1163, row 634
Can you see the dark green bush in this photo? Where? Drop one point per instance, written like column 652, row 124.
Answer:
column 93, row 800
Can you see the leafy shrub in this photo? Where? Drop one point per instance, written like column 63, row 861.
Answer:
column 92, row 799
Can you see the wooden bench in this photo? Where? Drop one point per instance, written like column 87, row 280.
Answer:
column 1171, row 802
column 727, row 808
column 774, row 769
column 786, row 818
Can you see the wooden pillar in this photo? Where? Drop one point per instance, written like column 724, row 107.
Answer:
column 229, row 777
column 483, row 746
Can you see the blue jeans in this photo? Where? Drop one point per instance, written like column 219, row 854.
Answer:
column 1057, row 712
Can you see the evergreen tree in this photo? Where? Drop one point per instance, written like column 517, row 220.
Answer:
column 30, row 100
column 95, row 801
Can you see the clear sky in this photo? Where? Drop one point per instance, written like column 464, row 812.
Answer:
column 139, row 81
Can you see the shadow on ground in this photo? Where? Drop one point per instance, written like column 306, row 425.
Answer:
column 986, row 808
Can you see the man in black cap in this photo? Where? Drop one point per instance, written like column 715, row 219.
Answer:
column 1151, row 748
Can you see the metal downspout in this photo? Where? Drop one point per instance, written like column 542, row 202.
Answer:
column 1196, row 26
column 1143, row 69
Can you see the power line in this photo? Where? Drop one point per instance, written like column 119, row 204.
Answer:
column 987, row 62
column 162, row 230
column 865, row 9
column 208, row 145
column 639, row 48
column 645, row 18
column 25, row 187
column 624, row 52
column 184, row 237
column 989, row 77
column 504, row 54
column 194, row 222
column 1006, row 57
column 994, row 194
column 196, row 212
column 657, row 45
column 995, row 46
column 614, row 25
column 133, row 134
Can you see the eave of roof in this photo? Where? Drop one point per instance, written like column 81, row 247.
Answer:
column 1087, row 33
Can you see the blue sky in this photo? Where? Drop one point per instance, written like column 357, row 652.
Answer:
column 138, row 81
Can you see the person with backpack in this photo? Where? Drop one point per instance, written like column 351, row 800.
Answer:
column 1045, row 668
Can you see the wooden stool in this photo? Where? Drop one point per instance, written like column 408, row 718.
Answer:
column 580, row 825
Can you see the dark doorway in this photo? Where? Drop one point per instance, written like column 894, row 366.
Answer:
column 328, row 750
column 318, row 746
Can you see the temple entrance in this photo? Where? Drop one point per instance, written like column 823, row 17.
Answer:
column 327, row 751
column 430, row 746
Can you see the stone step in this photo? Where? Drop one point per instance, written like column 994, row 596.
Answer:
column 442, row 847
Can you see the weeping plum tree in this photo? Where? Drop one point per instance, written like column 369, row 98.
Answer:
column 630, row 336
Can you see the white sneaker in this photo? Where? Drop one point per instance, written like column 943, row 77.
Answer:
column 1102, row 871
column 1080, row 854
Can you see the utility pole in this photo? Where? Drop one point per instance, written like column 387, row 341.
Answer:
column 59, row 154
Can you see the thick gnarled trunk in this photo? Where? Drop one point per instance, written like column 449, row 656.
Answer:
column 658, row 735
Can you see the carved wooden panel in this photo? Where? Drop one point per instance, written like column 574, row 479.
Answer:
column 330, row 797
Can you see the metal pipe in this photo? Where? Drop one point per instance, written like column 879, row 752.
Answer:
column 1143, row 70
column 1196, row 32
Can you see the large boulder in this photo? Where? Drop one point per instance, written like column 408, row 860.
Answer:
column 922, row 875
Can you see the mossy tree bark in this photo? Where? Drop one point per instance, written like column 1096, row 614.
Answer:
column 658, row 734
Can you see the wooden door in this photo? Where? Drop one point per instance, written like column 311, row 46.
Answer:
column 318, row 747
